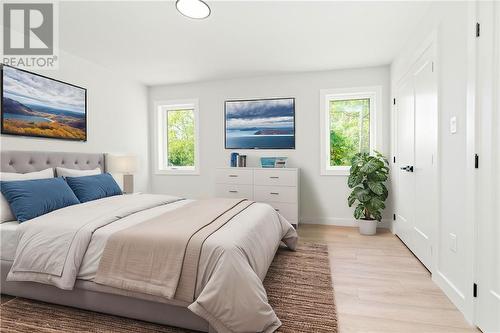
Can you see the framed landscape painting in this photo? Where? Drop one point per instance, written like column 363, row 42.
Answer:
column 260, row 124
column 35, row 105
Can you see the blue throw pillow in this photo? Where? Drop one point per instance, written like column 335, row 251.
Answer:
column 31, row 198
column 89, row 188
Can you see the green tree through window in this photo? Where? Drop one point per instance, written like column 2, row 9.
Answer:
column 180, row 134
column 349, row 129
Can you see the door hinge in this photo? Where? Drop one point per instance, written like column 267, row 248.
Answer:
column 478, row 29
column 394, row 217
column 474, row 290
column 393, row 101
column 476, row 161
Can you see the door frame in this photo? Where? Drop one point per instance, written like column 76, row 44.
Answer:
column 471, row 185
column 430, row 45
column 476, row 117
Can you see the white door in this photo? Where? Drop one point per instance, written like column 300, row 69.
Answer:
column 416, row 150
column 488, row 173
column 405, row 212
column 425, row 171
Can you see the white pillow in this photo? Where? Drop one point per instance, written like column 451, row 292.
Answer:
column 64, row 172
column 5, row 212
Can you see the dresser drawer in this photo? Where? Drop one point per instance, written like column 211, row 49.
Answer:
column 275, row 177
column 234, row 176
column 275, row 194
column 287, row 210
column 234, row 191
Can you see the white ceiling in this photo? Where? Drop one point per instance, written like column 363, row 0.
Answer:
column 152, row 43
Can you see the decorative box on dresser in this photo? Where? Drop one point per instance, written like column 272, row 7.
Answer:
column 278, row 187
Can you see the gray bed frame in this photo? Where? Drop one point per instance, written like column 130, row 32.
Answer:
column 88, row 295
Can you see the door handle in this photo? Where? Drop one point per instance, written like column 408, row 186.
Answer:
column 408, row 168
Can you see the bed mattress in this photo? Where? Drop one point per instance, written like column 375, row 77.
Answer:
column 9, row 238
column 228, row 293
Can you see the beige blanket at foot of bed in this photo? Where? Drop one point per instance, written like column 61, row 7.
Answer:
column 160, row 256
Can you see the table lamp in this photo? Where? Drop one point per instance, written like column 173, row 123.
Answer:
column 126, row 165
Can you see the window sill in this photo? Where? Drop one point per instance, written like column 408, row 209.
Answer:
column 177, row 172
column 341, row 171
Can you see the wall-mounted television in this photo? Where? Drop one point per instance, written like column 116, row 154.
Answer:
column 260, row 123
column 35, row 105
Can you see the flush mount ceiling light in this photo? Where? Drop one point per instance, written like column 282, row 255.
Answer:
column 196, row 9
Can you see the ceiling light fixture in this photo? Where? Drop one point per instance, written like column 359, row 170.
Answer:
column 196, row 9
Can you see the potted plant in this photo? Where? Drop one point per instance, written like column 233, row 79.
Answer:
column 367, row 178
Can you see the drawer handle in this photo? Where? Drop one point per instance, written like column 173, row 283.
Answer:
column 234, row 176
column 274, row 177
column 233, row 191
column 274, row 193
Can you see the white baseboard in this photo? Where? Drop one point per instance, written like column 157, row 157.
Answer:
column 341, row 222
column 453, row 293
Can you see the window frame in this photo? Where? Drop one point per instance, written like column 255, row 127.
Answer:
column 161, row 109
column 326, row 96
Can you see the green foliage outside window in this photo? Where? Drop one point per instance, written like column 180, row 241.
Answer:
column 180, row 131
column 349, row 130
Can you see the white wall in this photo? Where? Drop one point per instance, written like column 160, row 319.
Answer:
column 323, row 198
column 116, row 115
column 449, row 21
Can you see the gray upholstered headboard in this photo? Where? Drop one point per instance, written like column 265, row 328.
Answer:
column 28, row 161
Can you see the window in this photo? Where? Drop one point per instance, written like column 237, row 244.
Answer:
column 177, row 137
column 348, row 126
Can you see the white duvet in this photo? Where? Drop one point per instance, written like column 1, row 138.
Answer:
column 67, row 244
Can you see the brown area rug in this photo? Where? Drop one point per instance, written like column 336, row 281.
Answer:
column 298, row 285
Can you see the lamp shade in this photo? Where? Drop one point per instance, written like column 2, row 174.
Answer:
column 121, row 163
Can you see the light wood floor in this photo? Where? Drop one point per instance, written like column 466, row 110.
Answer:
column 381, row 287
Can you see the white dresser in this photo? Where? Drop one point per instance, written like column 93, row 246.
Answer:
column 277, row 187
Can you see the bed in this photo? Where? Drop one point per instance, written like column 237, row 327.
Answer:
column 226, row 284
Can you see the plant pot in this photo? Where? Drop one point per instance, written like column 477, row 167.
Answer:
column 367, row 227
